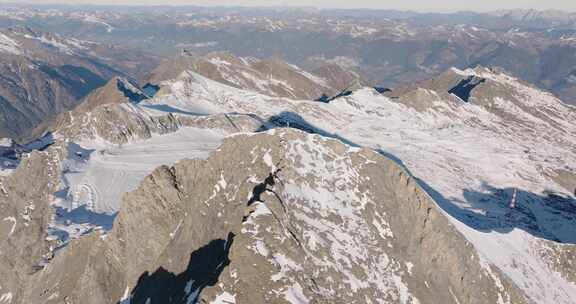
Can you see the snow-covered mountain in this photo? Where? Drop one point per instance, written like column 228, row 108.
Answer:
column 550, row 17
column 272, row 77
column 389, row 48
column 454, row 190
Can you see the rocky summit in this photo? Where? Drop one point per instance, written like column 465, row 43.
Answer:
column 278, row 217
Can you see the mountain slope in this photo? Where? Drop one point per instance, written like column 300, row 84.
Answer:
column 79, row 178
column 465, row 181
column 118, row 90
column 45, row 74
column 470, row 156
column 312, row 235
column 272, row 77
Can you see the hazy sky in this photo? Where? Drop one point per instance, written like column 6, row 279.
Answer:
column 422, row 5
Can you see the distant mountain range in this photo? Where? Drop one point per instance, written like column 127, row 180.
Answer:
column 386, row 48
column 44, row 74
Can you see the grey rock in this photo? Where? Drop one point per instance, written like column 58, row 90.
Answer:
column 267, row 226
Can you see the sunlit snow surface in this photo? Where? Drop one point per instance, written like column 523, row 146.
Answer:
column 467, row 158
column 9, row 45
column 96, row 175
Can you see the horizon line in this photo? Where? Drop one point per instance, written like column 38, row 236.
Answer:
column 284, row 6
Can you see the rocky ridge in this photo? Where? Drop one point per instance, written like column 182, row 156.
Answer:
column 272, row 77
column 318, row 236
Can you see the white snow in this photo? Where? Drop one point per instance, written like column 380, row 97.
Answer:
column 269, row 162
column 261, row 209
column 9, row 45
column 468, row 72
column 261, row 248
column 382, row 226
column 295, row 295
column 113, row 170
column 222, row 182
column 6, row 298
column 335, row 238
column 95, row 19
column 62, row 45
column 225, row 298
column 13, row 220
column 467, row 158
column 286, row 264
column 7, row 166
column 454, row 158
column 173, row 233
column 404, row 295
column 95, row 176
column 6, row 142
column 206, row 44
column 409, row 266
column 126, row 298
column 463, row 152
column 219, row 62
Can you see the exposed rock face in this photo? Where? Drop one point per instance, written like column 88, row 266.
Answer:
column 472, row 157
column 118, row 90
column 121, row 123
column 30, row 93
column 24, row 217
column 566, row 178
column 275, row 218
column 271, row 76
column 310, row 219
column 27, row 215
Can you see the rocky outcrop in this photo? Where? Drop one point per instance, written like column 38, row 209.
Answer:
column 280, row 217
column 470, row 156
column 122, row 123
column 24, row 218
column 272, row 77
column 118, row 90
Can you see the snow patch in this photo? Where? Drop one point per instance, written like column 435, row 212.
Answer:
column 126, row 298
column 13, row 220
column 295, row 295
column 96, row 175
column 225, row 298
column 9, row 45
column 6, row 298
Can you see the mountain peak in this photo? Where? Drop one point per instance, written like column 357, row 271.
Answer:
column 293, row 218
column 116, row 91
column 273, row 76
